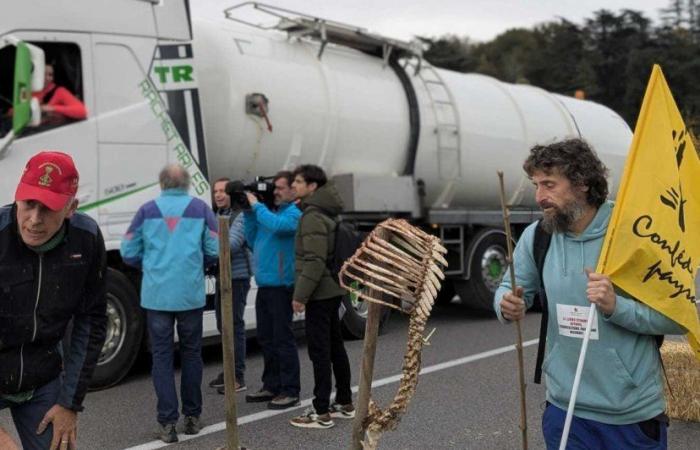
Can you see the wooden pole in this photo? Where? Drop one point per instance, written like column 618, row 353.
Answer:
column 227, row 334
column 519, row 343
column 369, row 350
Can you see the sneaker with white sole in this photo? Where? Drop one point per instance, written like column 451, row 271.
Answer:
column 338, row 411
column 239, row 388
column 262, row 395
column 309, row 419
column 283, row 402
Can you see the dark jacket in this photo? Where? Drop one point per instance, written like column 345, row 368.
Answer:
column 39, row 294
column 314, row 243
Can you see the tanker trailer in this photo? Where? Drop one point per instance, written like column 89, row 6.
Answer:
column 400, row 137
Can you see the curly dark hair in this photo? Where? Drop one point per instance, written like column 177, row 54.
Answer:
column 575, row 160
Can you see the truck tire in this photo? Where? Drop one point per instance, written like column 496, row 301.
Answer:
column 488, row 265
column 125, row 327
column 355, row 317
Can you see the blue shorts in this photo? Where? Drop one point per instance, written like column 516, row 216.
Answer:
column 586, row 434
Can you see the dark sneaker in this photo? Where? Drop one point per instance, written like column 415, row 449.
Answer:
column 192, row 425
column 338, row 411
column 312, row 420
column 218, row 381
column 261, row 396
column 283, row 402
column 167, row 433
column 239, row 388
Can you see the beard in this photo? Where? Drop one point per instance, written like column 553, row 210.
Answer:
column 560, row 219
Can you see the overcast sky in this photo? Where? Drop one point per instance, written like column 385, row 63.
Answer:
column 478, row 19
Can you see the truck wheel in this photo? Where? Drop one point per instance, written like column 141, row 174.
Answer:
column 355, row 317
column 125, row 326
column 488, row 265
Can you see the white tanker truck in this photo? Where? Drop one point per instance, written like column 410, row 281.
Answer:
column 233, row 99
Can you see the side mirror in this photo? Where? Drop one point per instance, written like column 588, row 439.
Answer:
column 22, row 89
column 28, row 77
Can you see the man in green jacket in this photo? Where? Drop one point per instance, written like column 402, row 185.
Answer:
column 317, row 292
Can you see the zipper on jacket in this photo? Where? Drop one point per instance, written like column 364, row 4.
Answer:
column 38, row 293
column 21, row 367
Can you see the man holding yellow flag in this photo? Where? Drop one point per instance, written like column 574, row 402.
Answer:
column 621, row 399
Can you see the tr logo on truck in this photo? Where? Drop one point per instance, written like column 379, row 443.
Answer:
column 177, row 73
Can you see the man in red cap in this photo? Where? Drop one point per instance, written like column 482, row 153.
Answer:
column 52, row 270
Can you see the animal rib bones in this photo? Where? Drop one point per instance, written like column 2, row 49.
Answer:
column 399, row 266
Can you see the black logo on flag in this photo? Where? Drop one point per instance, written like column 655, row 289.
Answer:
column 674, row 199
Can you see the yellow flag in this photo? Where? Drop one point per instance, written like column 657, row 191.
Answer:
column 652, row 246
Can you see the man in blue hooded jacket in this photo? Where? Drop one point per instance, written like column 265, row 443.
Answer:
column 620, row 403
column 270, row 234
column 173, row 239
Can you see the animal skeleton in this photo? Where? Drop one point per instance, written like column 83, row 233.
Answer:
column 398, row 266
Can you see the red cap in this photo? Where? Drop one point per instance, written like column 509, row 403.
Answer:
column 50, row 178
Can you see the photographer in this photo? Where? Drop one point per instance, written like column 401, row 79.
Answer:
column 271, row 236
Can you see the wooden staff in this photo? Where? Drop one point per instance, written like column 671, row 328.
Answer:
column 227, row 335
column 519, row 343
column 374, row 312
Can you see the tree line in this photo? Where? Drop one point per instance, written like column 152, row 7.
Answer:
column 608, row 58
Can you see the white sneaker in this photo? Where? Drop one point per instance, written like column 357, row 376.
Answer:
column 309, row 419
column 338, row 411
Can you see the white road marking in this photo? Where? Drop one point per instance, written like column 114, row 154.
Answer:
column 221, row 426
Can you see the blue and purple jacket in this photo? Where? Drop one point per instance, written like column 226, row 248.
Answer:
column 172, row 239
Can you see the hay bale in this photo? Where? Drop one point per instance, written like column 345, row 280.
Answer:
column 683, row 372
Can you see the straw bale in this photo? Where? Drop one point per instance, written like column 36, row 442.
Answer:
column 683, row 372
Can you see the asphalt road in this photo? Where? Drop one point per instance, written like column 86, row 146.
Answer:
column 467, row 397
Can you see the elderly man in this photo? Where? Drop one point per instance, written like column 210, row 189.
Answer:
column 52, row 270
column 172, row 239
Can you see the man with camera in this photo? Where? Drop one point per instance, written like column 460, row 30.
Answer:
column 270, row 234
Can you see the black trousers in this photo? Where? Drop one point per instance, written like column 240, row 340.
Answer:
column 273, row 312
column 327, row 353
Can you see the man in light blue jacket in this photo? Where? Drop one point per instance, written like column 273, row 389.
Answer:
column 172, row 239
column 270, row 233
column 620, row 404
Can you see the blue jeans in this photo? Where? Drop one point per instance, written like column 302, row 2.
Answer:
column 189, row 330
column 240, row 290
column 273, row 311
column 28, row 414
column 586, row 434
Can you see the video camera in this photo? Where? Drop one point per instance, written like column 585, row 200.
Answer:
column 263, row 188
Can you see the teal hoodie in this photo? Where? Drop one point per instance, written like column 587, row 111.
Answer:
column 621, row 382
